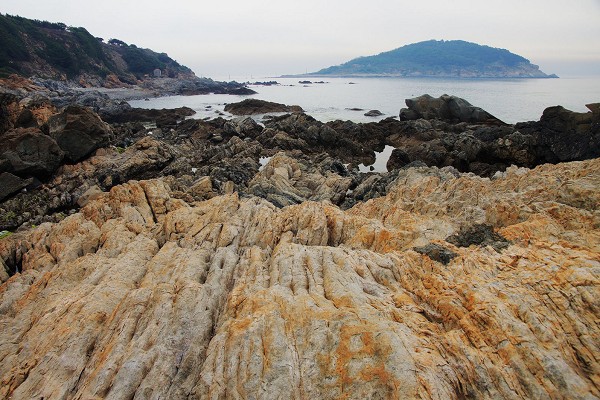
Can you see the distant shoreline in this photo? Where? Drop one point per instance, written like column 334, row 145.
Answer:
column 553, row 76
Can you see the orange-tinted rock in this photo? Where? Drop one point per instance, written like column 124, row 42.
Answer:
column 141, row 295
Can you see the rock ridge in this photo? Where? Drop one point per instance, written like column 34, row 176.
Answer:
column 141, row 294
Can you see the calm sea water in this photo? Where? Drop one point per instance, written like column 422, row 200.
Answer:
column 511, row 100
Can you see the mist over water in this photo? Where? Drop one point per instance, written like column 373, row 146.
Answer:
column 511, row 100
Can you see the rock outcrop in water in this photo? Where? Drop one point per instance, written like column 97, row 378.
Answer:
column 446, row 108
column 232, row 259
column 256, row 106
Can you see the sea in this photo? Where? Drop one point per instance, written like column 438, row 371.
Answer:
column 327, row 99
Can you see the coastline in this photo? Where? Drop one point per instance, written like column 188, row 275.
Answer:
column 127, row 232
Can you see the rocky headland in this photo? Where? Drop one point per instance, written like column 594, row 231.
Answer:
column 146, row 254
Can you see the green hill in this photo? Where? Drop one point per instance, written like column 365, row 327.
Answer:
column 451, row 58
column 53, row 50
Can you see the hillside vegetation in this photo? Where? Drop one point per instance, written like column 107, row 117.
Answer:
column 53, row 50
column 453, row 58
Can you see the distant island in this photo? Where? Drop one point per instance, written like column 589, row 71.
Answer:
column 439, row 58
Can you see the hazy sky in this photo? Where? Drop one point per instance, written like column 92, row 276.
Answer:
column 262, row 38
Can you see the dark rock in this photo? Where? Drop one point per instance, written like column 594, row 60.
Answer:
column 11, row 184
column 266, row 83
column 373, row 113
column 398, row 159
column 243, row 127
column 242, row 91
column 125, row 113
column 436, row 252
column 563, row 135
column 195, row 86
column 594, row 108
column 480, row 235
column 28, row 152
column 406, row 114
column 446, row 108
column 255, row 106
column 26, row 119
column 79, row 131
column 9, row 106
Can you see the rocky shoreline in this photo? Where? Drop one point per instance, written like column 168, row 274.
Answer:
column 273, row 230
column 52, row 154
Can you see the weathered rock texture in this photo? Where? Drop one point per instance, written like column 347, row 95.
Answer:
column 446, row 108
column 78, row 131
column 143, row 295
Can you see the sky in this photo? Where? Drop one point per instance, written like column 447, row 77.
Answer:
column 267, row 38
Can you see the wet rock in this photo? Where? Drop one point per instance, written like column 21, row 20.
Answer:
column 255, row 106
column 194, row 86
column 373, row 113
column 9, row 109
column 479, row 235
column 126, row 113
column 436, row 252
column 446, row 108
column 10, row 184
column 398, row 159
column 563, row 135
column 28, row 152
column 78, row 132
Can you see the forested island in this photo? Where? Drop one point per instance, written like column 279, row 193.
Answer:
column 440, row 58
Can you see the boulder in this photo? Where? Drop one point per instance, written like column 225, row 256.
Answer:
column 10, row 184
column 243, row 127
column 570, row 135
column 446, row 108
column 373, row 113
column 79, row 131
column 28, row 152
column 9, row 109
column 398, row 159
column 256, row 106
column 285, row 181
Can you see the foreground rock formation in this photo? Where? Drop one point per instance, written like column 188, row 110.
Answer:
column 142, row 294
column 146, row 255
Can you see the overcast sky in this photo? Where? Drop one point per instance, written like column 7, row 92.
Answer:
column 262, row 38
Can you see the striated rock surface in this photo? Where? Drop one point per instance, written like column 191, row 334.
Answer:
column 145, row 295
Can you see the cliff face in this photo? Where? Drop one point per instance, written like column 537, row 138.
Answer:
column 144, row 295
